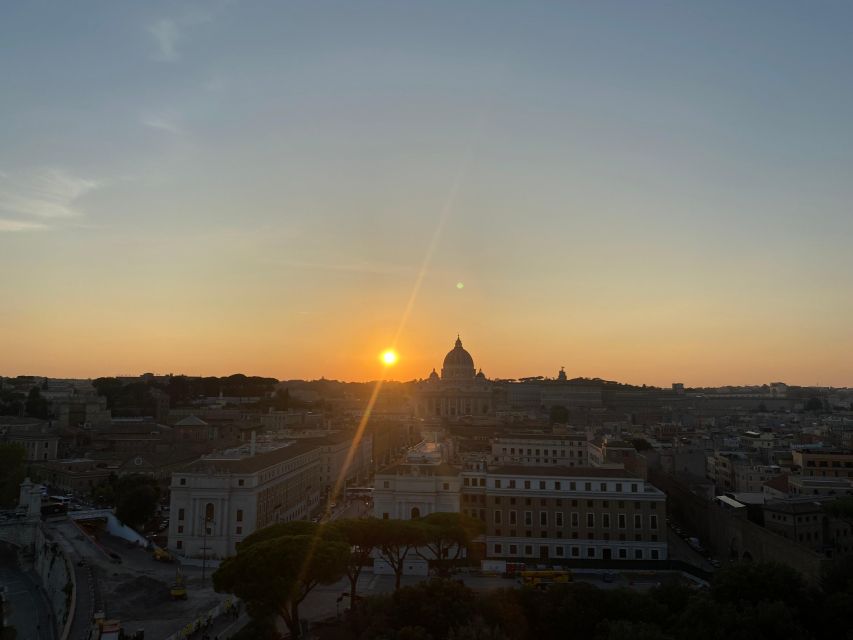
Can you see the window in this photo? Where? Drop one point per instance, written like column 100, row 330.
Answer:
column 497, row 483
column 179, row 544
column 590, row 552
column 542, row 484
column 512, row 519
column 603, row 486
column 239, row 530
column 655, row 554
column 633, row 487
column 180, row 514
column 618, row 486
column 528, row 518
column 386, row 484
column 587, row 486
column 572, row 486
column 415, row 513
column 575, row 519
column 497, row 517
column 557, row 485
column 446, row 486
column 513, row 549
column 527, row 484
column 528, row 550
column 239, row 515
column 638, row 554
column 638, row 521
column 498, row 548
column 241, row 482
column 576, row 552
column 183, row 481
column 559, row 551
column 590, row 520
column 512, row 484
column 558, row 517
column 543, row 518
column 622, row 521
column 180, row 528
column 466, row 482
column 605, row 520
column 482, row 482
column 623, row 554
column 653, row 521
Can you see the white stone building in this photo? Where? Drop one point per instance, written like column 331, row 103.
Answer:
column 217, row 501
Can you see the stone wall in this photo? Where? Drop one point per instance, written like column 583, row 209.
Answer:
column 57, row 578
column 730, row 535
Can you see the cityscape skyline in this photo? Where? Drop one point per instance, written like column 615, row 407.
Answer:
column 643, row 194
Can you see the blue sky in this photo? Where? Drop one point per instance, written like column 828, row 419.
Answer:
column 641, row 191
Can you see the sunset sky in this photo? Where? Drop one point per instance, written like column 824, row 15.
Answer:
column 639, row 191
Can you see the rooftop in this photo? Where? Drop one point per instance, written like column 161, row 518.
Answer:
column 247, row 464
column 569, row 472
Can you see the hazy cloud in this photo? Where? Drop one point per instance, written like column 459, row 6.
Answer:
column 7, row 225
column 43, row 193
column 163, row 122
column 166, row 34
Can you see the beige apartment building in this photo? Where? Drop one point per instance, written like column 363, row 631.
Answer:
column 824, row 463
column 217, row 501
column 566, row 513
column 567, row 450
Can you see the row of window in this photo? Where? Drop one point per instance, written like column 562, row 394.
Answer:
column 605, row 504
column 574, row 519
column 555, row 485
column 544, row 452
column 573, row 551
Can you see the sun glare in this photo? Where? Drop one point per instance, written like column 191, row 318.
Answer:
column 389, row 357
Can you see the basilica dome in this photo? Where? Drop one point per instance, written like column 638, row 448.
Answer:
column 458, row 364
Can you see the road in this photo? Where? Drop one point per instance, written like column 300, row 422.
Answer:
column 26, row 608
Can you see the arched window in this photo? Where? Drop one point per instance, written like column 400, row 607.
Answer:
column 416, row 513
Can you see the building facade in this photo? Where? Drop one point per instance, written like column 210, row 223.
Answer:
column 563, row 513
column 38, row 438
column 459, row 391
column 217, row 502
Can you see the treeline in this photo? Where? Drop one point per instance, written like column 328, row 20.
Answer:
column 745, row 602
column 276, row 568
column 139, row 398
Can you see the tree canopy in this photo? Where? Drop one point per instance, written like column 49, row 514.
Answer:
column 274, row 573
column 13, row 459
column 136, row 496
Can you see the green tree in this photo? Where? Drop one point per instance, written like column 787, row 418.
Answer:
column 36, row 405
column 13, row 460
column 136, row 497
column 445, row 536
column 559, row 414
column 753, row 582
column 363, row 535
column 275, row 574
column 398, row 538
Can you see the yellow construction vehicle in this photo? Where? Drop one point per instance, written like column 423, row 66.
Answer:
column 179, row 589
column 161, row 555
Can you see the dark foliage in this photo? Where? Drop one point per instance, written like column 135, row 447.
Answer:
column 747, row 601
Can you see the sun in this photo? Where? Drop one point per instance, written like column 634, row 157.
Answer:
column 389, row 357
